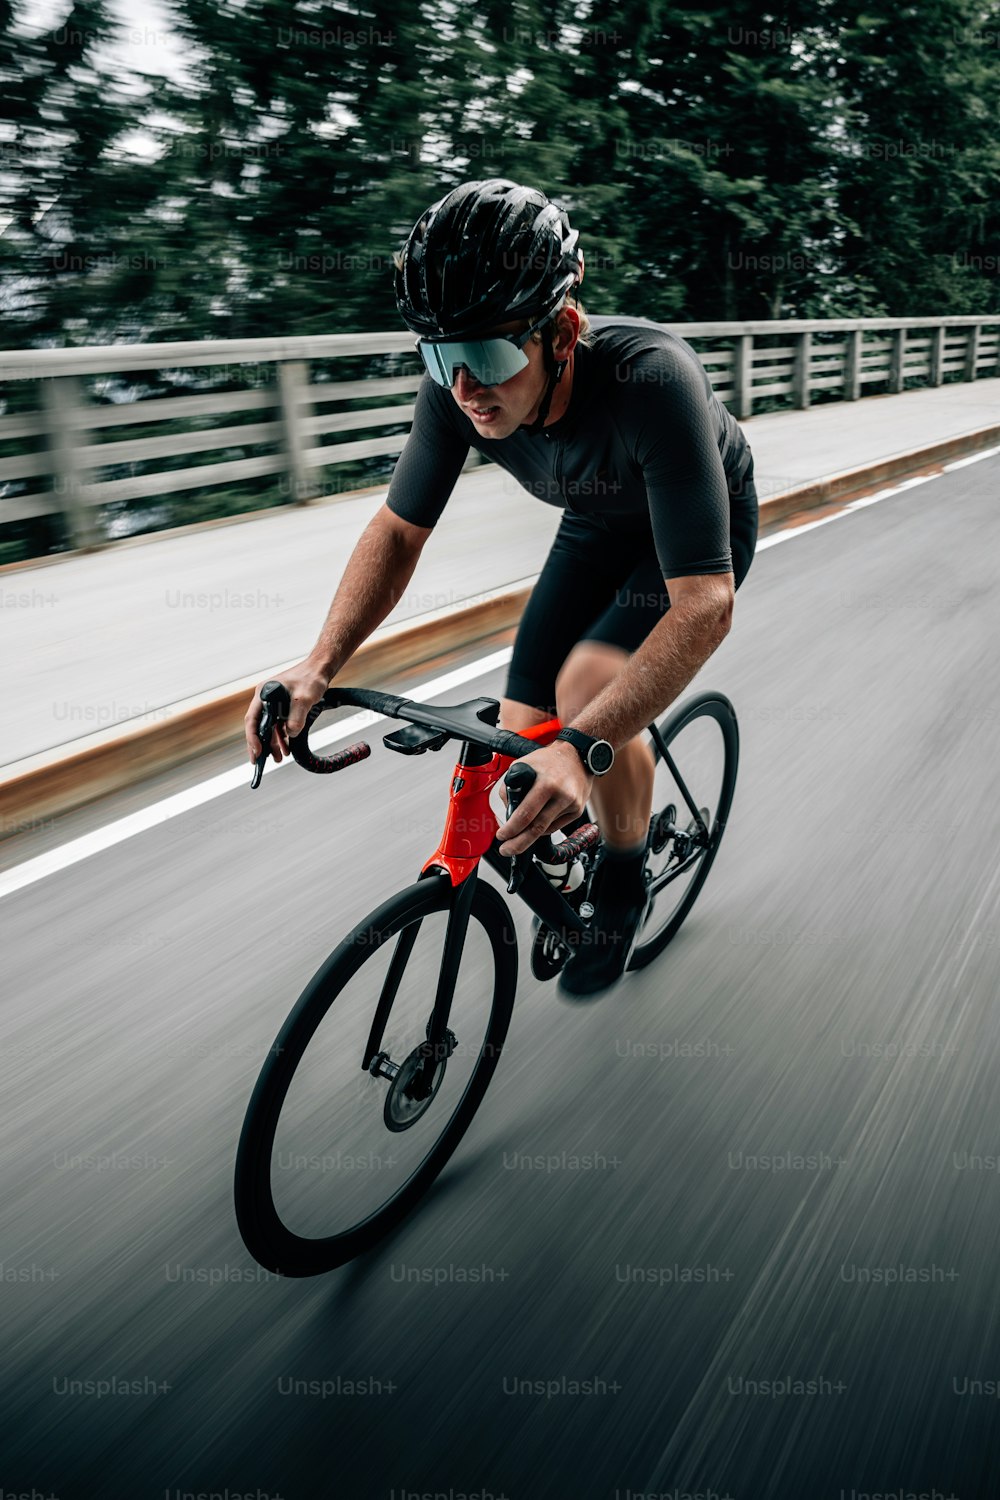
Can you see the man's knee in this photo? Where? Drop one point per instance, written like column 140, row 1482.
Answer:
column 586, row 671
column 519, row 716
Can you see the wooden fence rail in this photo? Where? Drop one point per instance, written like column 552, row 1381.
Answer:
column 74, row 423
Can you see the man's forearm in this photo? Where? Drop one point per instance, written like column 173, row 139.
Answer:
column 377, row 572
column 670, row 656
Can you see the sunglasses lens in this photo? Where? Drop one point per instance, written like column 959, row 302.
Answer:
column 489, row 361
column 437, row 367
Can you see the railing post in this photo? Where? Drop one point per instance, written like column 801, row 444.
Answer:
column 937, row 356
column 972, row 352
column 743, row 375
column 896, row 360
column 800, row 372
column 852, row 364
column 62, row 396
column 293, row 389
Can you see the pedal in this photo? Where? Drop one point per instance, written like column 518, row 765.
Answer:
column 548, row 954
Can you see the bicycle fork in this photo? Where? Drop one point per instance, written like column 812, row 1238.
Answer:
column 440, row 1041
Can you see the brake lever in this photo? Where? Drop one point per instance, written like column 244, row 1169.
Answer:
column 519, row 780
column 276, row 708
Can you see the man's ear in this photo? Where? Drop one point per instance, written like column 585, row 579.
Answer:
column 566, row 333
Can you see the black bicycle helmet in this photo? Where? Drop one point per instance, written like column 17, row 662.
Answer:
column 487, row 253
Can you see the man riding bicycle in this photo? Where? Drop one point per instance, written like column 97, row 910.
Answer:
column 615, row 421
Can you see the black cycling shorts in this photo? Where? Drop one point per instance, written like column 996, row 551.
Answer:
column 601, row 585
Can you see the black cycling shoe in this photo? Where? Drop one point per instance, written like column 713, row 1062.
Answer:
column 603, row 950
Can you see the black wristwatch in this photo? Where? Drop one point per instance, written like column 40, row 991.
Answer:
column 597, row 755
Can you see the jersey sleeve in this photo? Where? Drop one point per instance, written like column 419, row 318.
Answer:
column 431, row 460
column 666, row 404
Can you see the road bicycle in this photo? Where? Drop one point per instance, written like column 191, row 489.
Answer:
column 378, row 1070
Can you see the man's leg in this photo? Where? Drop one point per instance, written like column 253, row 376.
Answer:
column 517, row 717
column 576, row 597
column 622, row 799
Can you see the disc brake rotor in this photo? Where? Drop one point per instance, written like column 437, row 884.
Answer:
column 402, row 1107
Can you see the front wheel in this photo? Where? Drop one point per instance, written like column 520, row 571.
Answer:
column 333, row 1155
column 696, row 756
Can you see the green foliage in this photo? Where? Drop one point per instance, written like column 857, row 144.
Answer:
column 830, row 159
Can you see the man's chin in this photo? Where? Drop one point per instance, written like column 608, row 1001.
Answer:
column 502, row 428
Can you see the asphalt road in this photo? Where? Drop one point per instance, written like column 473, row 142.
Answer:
column 778, row 1274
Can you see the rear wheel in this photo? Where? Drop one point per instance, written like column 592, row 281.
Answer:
column 692, row 795
column 332, row 1155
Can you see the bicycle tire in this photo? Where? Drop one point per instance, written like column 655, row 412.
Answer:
column 718, row 707
column 265, row 1235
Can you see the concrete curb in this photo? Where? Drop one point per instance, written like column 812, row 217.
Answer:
column 56, row 781
column 852, row 484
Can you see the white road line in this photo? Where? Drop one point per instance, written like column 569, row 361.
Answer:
column 848, row 508
column 974, row 458
column 217, row 786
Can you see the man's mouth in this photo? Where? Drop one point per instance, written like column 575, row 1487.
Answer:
column 483, row 413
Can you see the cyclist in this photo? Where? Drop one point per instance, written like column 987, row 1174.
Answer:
column 615, row 421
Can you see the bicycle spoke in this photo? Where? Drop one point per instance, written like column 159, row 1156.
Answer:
column 695, row 753
column 400, row 958
column 330, row 1155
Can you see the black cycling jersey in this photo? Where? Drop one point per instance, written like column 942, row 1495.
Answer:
column 644, row 443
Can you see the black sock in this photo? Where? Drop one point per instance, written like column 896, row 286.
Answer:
column 623, row 872
column 633, row 851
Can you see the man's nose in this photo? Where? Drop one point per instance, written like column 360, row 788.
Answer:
column 466, row 384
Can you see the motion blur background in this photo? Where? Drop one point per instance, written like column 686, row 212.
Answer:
column 207, row 170
column 217, row 171
column 791, row 1119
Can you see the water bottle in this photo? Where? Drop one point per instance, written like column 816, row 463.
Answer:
column 564, row 866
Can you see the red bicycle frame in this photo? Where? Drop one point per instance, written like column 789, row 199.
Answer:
column 471, row 824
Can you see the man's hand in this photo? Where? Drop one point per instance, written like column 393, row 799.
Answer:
column 562, row 786
column 306, row 685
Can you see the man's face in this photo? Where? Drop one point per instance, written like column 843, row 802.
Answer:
column 497, row 411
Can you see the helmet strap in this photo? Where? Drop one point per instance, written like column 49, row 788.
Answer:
column 555, row 368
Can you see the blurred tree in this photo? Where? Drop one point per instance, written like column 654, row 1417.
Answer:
column 736, row 210
column 829, row 157
column 66, row 204
column 919, row 159
column 304, row 157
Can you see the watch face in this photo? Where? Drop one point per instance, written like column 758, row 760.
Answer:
column 601, row 757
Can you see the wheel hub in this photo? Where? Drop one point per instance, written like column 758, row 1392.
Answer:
column 409, row 1098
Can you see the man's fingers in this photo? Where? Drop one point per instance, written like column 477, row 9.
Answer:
column 524, row 840
column 297, row 716
column 251, row 724
column 527, row 810
column 302, row 699
column 519, row 840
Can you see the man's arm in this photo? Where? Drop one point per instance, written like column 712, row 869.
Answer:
column 374, row 579
column 376, row 575
column 383, row 561
column 676, row 446
column 698, row 620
